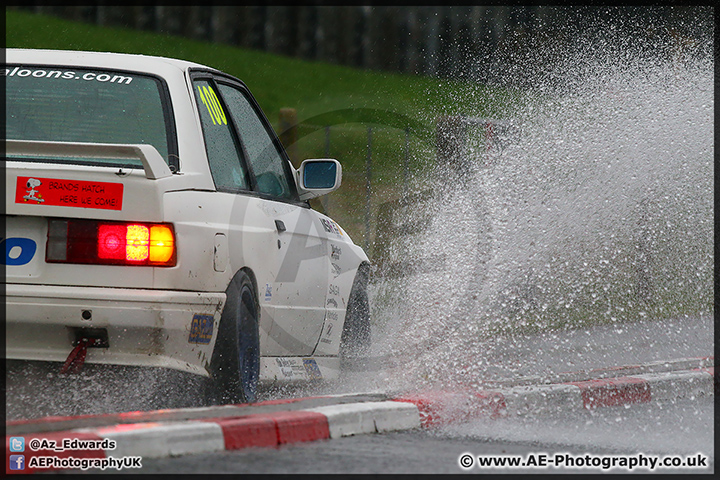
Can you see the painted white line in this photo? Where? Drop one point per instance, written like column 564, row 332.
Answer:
column 163, row 440
column 541, row 398
column 658, row 366
column 369, row 417
column 691, row 384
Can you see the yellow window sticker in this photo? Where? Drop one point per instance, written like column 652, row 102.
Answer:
column 208, row 97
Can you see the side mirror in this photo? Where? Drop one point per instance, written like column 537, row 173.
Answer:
column 317, row 177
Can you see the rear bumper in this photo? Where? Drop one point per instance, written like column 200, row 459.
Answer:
column 144, row 327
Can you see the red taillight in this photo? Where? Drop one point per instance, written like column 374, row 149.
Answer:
column 111, row 243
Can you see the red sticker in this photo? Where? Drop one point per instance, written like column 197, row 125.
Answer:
column 69, row 193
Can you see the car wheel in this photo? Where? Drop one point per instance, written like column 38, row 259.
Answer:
column 235, row 363
column 355, row 339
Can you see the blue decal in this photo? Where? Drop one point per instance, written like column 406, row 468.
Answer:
column 312, row 369
column 27, row 251
column 17, row 462
column 201, row 330
column 17, row 444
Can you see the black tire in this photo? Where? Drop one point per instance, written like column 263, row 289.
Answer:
column 235, row 363
column 356, row 339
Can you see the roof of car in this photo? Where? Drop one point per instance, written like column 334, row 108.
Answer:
column 96, row 59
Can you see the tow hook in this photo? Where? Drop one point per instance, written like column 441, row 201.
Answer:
column 84, row 338
column 76, row 359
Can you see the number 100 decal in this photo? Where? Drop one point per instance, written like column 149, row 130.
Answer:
column 208, row 97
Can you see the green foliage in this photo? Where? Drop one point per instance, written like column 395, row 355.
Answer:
column 313, row 88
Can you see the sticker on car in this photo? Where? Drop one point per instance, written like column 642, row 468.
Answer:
column 201, row 329
column 312, row 369
column 69, row 193
column 18, row 251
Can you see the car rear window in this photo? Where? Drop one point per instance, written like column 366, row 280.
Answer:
column 89, row 106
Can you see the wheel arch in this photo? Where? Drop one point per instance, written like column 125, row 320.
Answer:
column 355, row 338
column 225, row 361
column 249, row 272
column 362, row 275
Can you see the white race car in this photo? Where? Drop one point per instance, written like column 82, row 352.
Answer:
column 153, row 219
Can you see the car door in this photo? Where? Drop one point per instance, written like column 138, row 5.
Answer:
column 293, row 292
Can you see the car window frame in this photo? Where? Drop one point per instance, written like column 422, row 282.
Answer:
column 240, row 149
column 217, row 78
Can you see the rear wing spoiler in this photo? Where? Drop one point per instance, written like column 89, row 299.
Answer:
column 153, row 163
